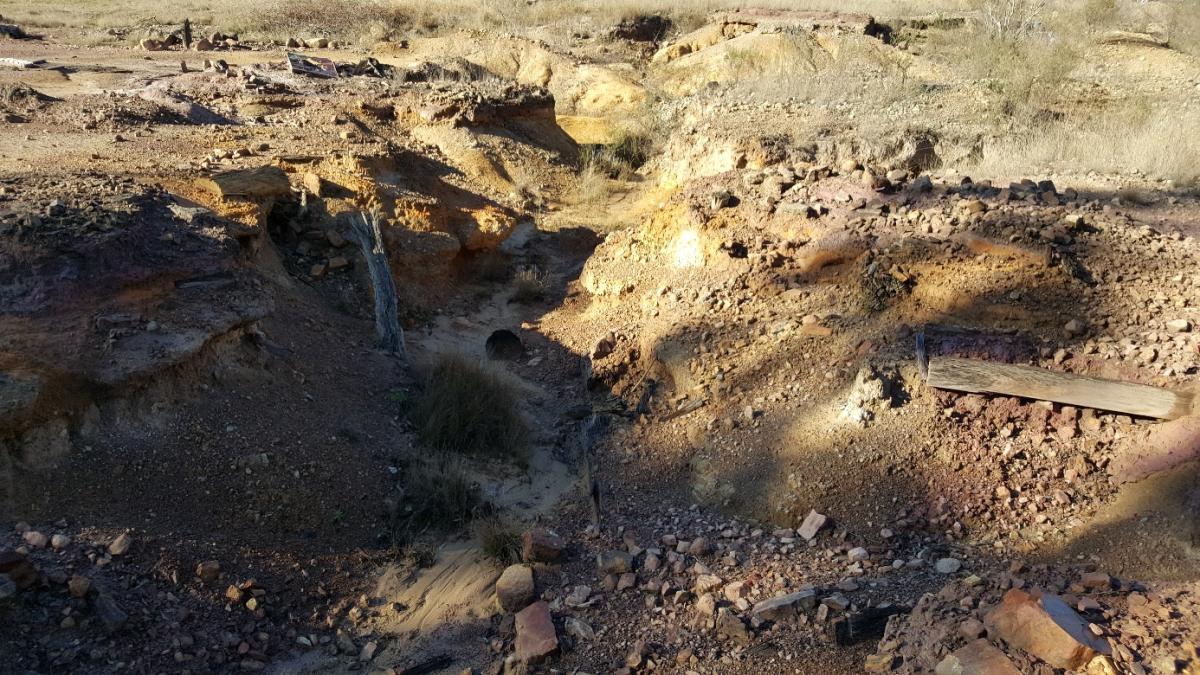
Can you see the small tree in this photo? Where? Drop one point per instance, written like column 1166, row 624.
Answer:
column 1012, row 19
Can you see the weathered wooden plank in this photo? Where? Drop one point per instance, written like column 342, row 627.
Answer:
column 262, row 182
column 984, row 377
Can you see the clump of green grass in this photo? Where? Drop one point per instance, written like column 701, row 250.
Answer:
column 498, row 539
column 466, row 408
column 530, row 285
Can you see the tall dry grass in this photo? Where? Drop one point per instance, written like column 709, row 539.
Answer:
column 1159, row 144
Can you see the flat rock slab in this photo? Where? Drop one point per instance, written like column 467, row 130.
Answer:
column 536, row 638
column 978, row 657
column 785, row 606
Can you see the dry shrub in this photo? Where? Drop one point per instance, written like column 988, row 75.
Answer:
column 530, row 285
column 1012, row 19
column 437, row 496
column 465, row 407
column 346, row 19
column 498, row 539
column 1160, row 144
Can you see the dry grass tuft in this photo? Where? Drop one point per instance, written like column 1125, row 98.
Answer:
column 1158, row 144
column 498, row 538
column 437, row 496
column 530, row 285
column 467, row 408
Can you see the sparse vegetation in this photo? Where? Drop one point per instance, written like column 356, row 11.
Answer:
column 498, row 539
column 437, row 496
column 465, row 407
column 530, row 285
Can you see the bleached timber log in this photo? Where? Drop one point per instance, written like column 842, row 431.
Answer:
column 970, row 375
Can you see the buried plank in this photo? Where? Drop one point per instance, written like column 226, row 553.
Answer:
column 258, row 183
column 982, row 377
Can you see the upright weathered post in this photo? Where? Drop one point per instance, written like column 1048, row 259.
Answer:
column 366, row 233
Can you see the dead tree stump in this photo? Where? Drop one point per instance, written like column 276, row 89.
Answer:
column 366, row 233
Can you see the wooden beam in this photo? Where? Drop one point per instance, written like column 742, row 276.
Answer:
column 983, row 377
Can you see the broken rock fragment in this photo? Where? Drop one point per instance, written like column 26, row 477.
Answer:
column 812, row 524
column 978, row 657
column 1047, row 628
column 784, row 606
column 536, row 638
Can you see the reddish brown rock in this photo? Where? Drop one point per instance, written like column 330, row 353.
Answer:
column 541, row 545
column 1047, row 628
column 19, row 570
column 978, row 657
column 536, row 638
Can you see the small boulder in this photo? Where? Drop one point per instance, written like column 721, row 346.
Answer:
column 515, row 588
column 35, row 539
column 614, row 562
column 79, row 586
column 812, row 524
column 60, row 541
column 947, row 565
column 539, row 544
column 120, row 545
column 1047, row 628
column 208, row 571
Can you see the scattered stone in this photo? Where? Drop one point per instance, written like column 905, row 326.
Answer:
column 732, row 627
column 626, row 581
column 1046, row 628
column 812, row 524
column 614, row 562
column 79, row 586
column 120, row 545
column 536, row 638
column 110, row 613
column 515, row 588
column 35, row 539
column 59, row 541
column 785, row 606
column 578, row 629
column 208, row 571
column 978, row 657
column 1179, row 326
column 368, row 652
column 857, row 554
column 17, row 568
column 947, row 565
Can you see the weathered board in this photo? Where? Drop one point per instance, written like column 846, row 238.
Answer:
column 259, row 183
column 983, row 377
